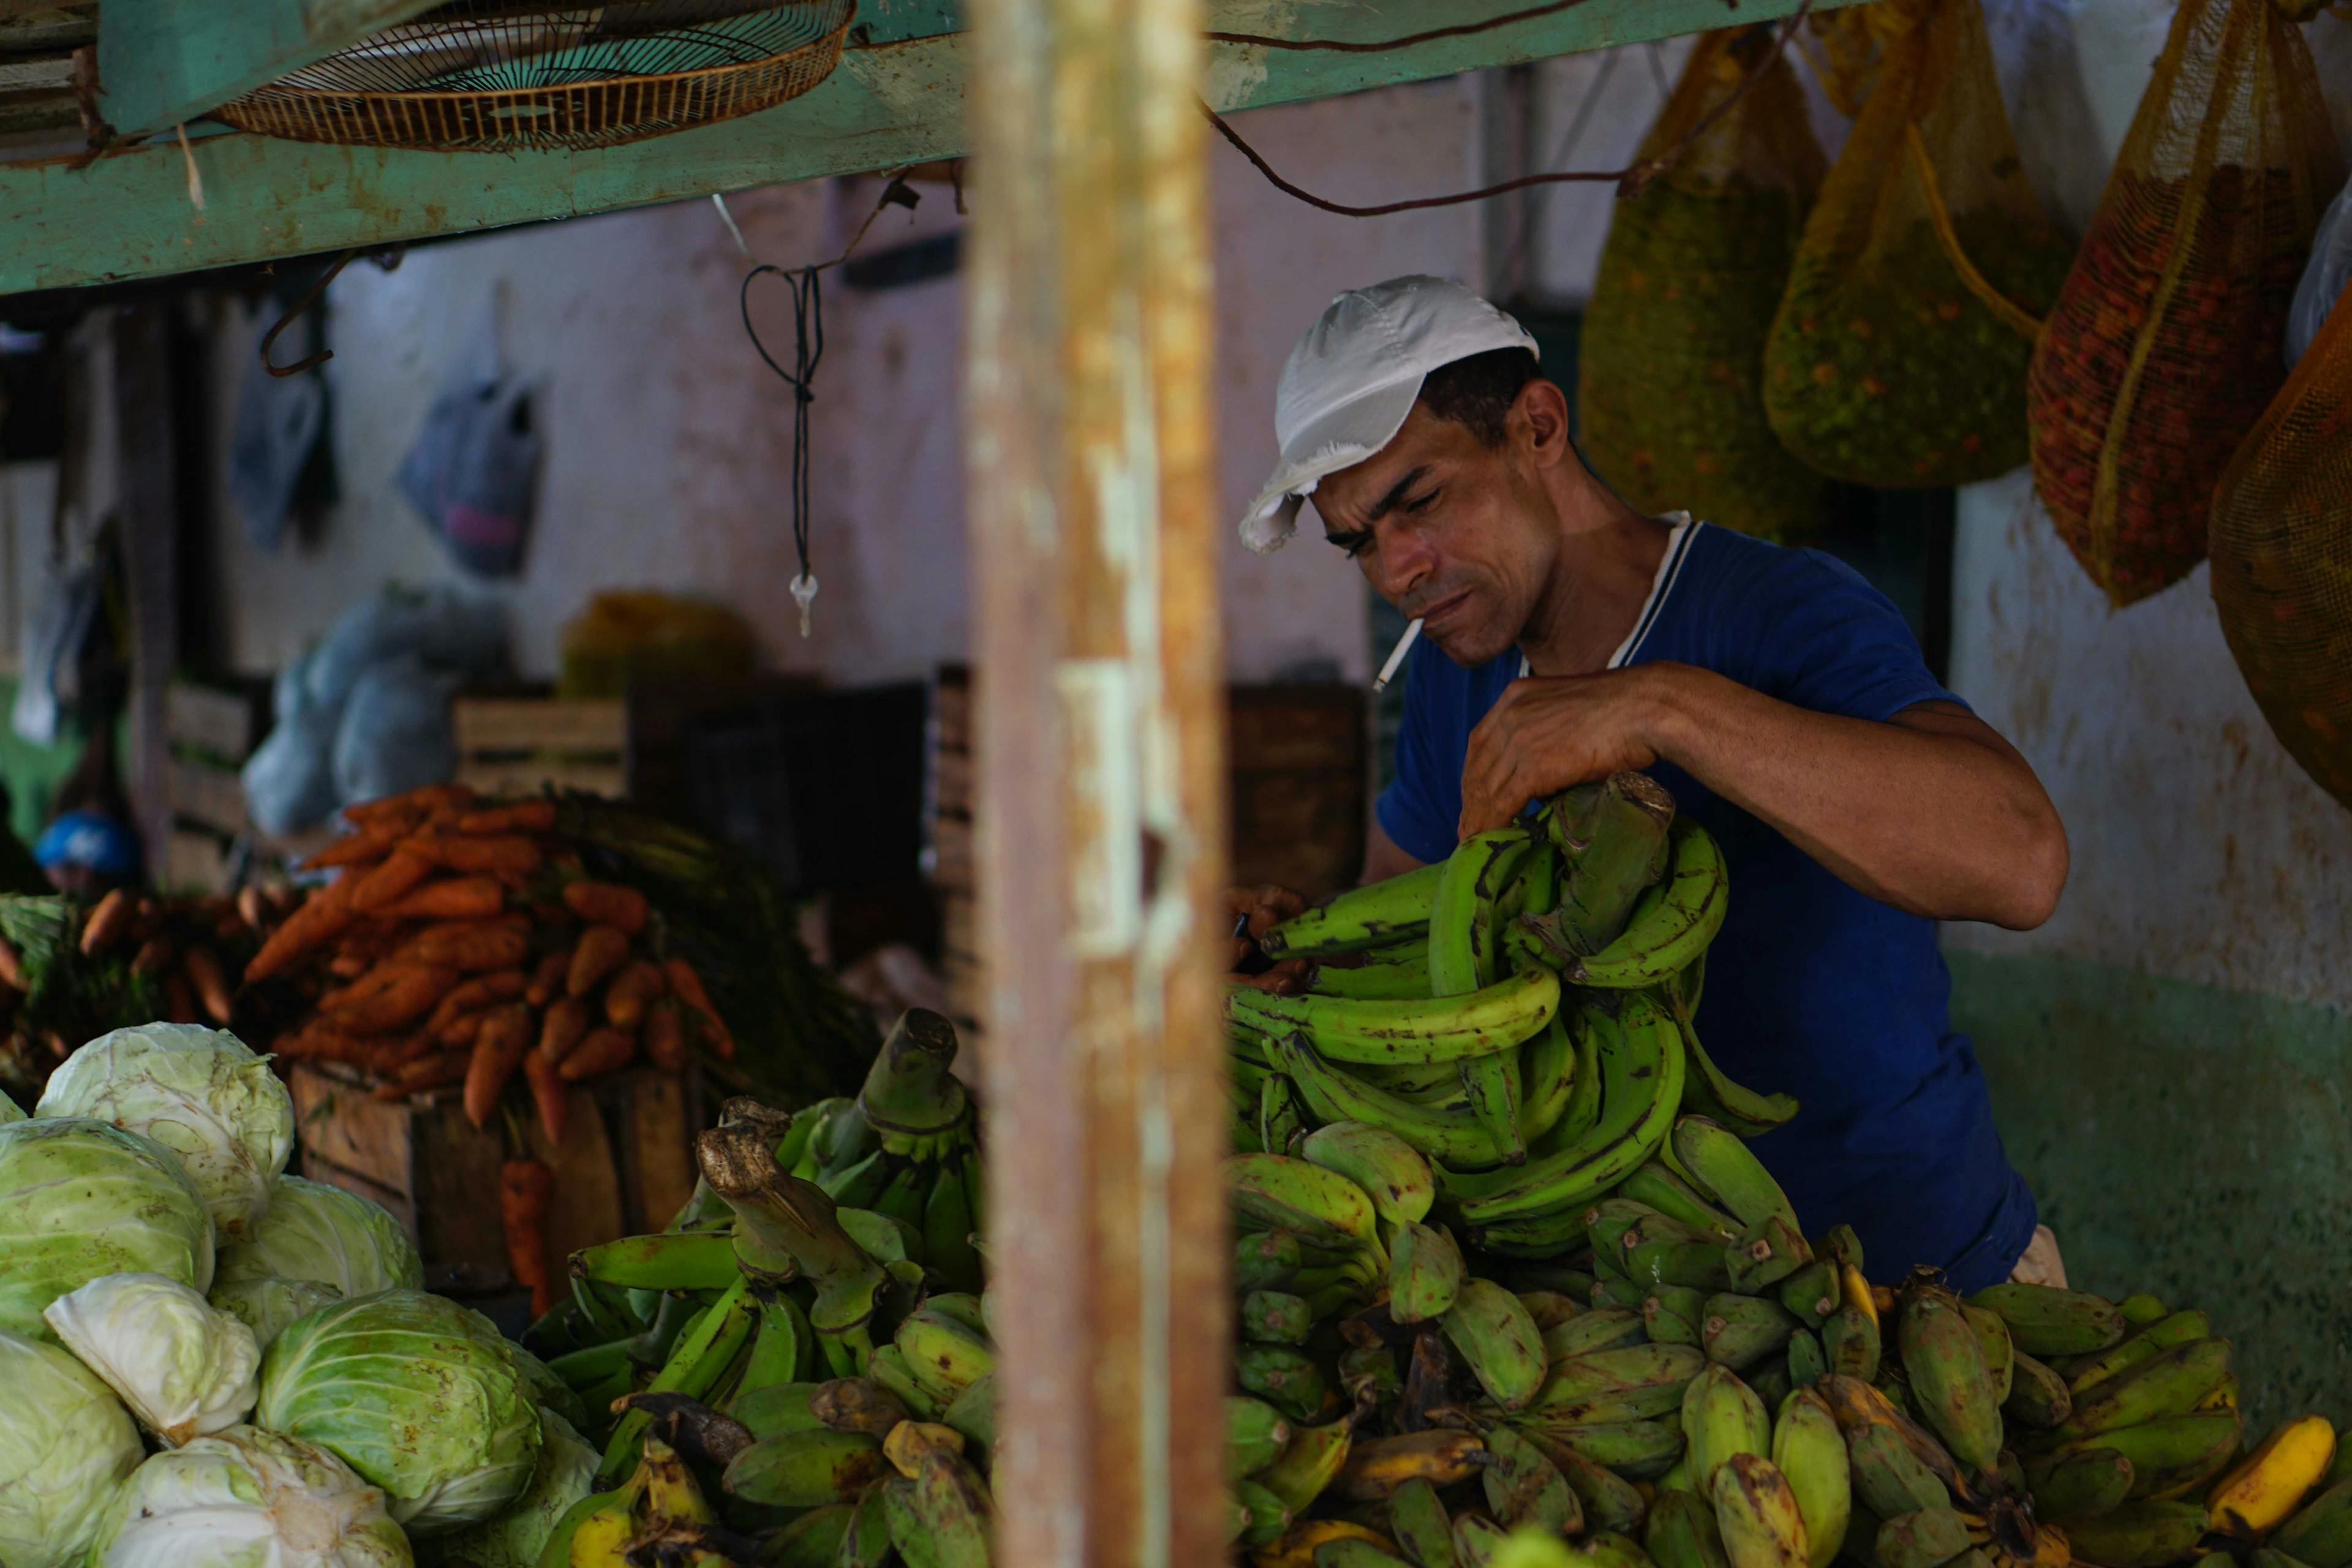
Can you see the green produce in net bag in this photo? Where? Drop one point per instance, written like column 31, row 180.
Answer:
column 1670, row 396
column 81, row 1199
column 415, row 1392
column 1898, row 357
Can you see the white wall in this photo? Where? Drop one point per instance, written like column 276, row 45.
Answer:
column 667, row 442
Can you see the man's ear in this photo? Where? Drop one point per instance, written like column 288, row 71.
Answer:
column 1539, row 422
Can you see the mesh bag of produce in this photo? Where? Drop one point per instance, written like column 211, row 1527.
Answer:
column 1670, row 393
column 2282, row 543
column 1898, row 355
column 2163, row 344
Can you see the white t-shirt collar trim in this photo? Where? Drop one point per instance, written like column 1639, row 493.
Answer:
column 1680, row 531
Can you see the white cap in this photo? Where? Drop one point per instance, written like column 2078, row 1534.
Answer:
column 1346, row 387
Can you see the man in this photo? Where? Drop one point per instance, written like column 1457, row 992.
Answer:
column 1778, row 697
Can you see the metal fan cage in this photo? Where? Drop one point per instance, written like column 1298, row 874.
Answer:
column 488, row 76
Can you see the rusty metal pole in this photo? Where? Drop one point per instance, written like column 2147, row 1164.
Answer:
column 1099, row 664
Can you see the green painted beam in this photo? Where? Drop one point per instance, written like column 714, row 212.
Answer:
column 161, row 62
column 898, row 99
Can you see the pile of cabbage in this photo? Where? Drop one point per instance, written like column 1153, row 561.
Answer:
column 205, row 1362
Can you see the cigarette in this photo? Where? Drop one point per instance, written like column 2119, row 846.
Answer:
column 1381, row 681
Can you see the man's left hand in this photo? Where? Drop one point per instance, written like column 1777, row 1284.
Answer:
column 1548, row 733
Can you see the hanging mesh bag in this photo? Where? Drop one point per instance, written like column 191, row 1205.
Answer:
column 2163, row 344
column 1898, row 355
column 1670, row 396
column 2282, row 545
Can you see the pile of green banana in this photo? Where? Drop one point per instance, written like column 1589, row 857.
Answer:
column 1667, row 1391
column 790, row 1380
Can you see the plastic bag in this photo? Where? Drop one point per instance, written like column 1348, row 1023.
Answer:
column 2281, row 547
column 290, row 779
column 2324, row 278
column 394, row 734
column 1670, row 396
column 2164, row 345
column 1898, row 355
column 442, row 626
column 472, row 470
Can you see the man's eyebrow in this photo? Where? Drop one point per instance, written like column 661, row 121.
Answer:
column 1395, row 497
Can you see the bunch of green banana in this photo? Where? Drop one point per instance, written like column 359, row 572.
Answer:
column 905, row 1147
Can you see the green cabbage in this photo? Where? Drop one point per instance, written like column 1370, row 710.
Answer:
column 9, row 1110
column 415, row 1392
column 66, row 1448
column 200, row 1094
column 566, row 1472
column 183, row 1369
column 549, row 1390
column 266, row 1306
column 328, row 1237
column 82, row 1199
column 247, row 1499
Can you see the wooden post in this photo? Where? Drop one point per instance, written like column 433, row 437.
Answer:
column 149, row 513
column 1098, row 673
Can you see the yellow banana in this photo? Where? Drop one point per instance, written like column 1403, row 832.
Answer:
column 910, row 1442
column 671, row 1495
column 2270, row 1484
column 1858, row 1293
column 1376, row 1466
column 1296, row 1549
column 1757, row 1512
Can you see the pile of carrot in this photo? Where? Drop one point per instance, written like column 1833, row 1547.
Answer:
column 463, row 942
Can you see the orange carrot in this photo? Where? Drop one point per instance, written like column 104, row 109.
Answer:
column 410, row 996
column 603, row 1050
column 456, row 899
column 524, row 1186
column 438, row 1070
column 320, row 919
column 252, row 908
column 402, row 870
column 501, row 985
column 462, row 1031
column 396, row 1051
column 498, row 1050
column 362, row 847
column 350, row 965
column 687, row 985
column 601, row 950
column 666, row 1036
column 108, row 919
column 547, row 979
column 607, row 903
column 566, row 1024
column 549, row 1093
column 204, row 972
column 460, row 852
column 521, row 816
column 422, row 801
column 153, row 954
column 475, row 946
column 631, row 991
column 12, row 966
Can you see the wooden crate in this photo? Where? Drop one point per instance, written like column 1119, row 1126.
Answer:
column 1299, row 757
column 209, row 731
column 519, row 746
column 625, row 1165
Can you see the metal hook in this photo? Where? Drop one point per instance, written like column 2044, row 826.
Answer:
column 288, row 319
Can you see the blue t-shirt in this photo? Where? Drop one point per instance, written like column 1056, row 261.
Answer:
column 1812, row 988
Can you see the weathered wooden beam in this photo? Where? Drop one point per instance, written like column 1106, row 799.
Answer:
column 898, row 99
column 1099, row 670
column 162, row 62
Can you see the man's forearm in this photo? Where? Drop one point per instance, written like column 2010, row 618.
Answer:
column 1932, row 813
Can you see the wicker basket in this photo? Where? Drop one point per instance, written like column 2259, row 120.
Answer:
column 482, row 75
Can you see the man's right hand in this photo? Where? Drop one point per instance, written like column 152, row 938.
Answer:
column 1260, row 910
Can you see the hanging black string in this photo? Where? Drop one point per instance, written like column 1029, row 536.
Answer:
column 808, row 347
